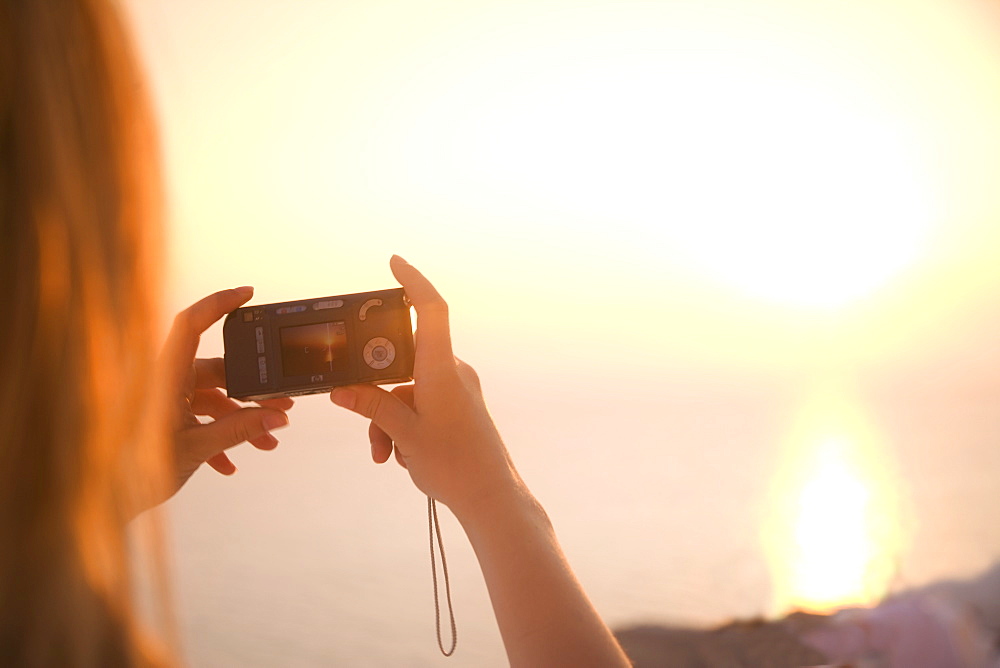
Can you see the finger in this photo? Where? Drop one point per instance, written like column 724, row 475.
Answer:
column 433, row 332
column 212, row 403
column 380, row 406
column 404, row 393
column 216, row 405
column 222, row 463
column 209, row 373
column 182, row 341
column 468, row 374
column 381, row 444
column 198, row 317
column 207, row 440
column 280, row 403
column 399, row 458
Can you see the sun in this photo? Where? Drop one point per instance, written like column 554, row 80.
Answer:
column 753, row 163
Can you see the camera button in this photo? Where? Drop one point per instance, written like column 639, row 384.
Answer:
column 379, row 352
column 259, row 333
column 363, row 314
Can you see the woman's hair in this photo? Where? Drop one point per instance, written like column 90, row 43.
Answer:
column 81, row 445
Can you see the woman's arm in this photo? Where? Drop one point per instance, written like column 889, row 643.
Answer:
column 544, row 615
column 442, row 433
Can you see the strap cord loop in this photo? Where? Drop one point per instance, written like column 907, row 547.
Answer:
column 434, row 527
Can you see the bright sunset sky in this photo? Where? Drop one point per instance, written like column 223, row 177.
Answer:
column 705, row 164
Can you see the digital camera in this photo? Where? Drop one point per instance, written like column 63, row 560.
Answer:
column 313, row 345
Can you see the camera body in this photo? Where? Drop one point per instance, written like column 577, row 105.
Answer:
column 313, row 345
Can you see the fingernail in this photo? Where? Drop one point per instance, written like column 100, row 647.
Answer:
column 275, row 421
column 246, row 290
column 344, row 398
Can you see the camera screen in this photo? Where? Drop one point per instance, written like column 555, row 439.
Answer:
column 319, row 348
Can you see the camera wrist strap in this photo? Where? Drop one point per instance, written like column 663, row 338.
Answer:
column 434, row 527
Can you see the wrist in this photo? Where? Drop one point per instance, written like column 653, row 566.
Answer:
column 510, row 503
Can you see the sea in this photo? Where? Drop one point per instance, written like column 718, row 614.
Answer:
column 658, row 488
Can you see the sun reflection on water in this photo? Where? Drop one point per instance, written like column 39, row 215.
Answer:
column 836, row 527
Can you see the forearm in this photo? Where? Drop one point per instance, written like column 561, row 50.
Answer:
column 545, row 618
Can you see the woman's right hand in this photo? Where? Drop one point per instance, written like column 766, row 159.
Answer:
column 439, row 426
column 442, row 433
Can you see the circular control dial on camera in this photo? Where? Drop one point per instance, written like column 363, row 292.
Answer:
column 379, row 352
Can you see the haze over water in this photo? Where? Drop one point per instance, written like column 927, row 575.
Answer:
column 728, row 271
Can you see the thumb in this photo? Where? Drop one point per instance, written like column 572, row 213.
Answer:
column 243, row 425
column 383, row 408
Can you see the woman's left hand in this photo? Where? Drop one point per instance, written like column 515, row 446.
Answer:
column 195, row 387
